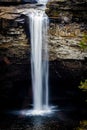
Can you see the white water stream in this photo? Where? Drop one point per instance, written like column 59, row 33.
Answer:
column 39, row 59
column 42, row 1
column 38, row 25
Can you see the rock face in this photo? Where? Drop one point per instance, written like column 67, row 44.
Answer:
column 67, row 58
column 60, row 9
column 17, row 1
column 66, row 31
column 65, row 41
column 10, row 0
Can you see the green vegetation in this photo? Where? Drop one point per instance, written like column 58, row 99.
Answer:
column 83, row 43
column 83, row 85
column 82, row 125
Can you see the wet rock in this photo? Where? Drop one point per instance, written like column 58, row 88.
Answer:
column 64, row 41
column 10, row 32
column 10, row 1
column 7, row 40
column 77, row 10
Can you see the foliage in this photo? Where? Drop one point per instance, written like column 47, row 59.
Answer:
column 83, row 42
column 82, row 125
column 83, row 85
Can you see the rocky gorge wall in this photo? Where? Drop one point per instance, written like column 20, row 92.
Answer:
column 67, row 56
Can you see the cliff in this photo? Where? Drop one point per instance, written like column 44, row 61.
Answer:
column 67, row 46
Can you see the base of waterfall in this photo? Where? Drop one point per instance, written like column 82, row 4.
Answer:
column 35, row 112
column 38, row 112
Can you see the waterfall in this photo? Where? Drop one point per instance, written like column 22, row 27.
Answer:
column 39, row 59
column 38, row 28
column 42, row 1
column 38, row 25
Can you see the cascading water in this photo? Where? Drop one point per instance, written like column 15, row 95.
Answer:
column 39, row 59
column 38, row 25
column 42, row 1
